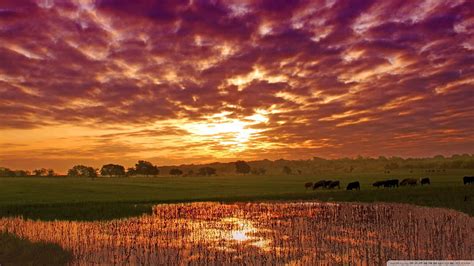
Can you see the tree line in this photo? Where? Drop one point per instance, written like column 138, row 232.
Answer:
column 316, row 165
column 142, row 168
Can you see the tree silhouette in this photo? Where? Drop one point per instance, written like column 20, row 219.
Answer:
column 39, row 172
column 146, row 168
column 22, row 173
column 242, row 167
column 50, row 172
column 44, row 172
column 82, row 171
column 131, row 171
column 112, row 170
column 6, row 172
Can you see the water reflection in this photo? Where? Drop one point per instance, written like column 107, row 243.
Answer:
column 262, row 233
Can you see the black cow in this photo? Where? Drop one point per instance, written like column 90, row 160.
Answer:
column 319, row 184
column 353, row 185
column 425, row 181
column 378, row 184
column 327, row 183
column 391, row 183
column 409, row 181
column 468, row 180
column 334, row 184
column 308, row 185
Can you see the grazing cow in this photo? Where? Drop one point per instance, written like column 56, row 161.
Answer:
column 319, row 184
column 327, row 183
column 409, row 181
column 379, row 184
column 391, row 183
column 468, row 180
column 334, row 184
column 425, row 181
column 353, row 185
column 308, row 185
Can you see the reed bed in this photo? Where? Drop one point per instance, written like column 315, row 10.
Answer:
column 298, row 233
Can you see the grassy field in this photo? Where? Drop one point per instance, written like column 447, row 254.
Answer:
column 107, row 198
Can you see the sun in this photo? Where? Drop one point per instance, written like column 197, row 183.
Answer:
column 232, row 132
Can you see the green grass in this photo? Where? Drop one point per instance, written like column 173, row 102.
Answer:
column 108, row 198
column 17, row 251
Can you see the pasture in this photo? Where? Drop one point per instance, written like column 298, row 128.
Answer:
column 108, row 198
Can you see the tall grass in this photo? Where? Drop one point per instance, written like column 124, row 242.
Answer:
column 261, row 233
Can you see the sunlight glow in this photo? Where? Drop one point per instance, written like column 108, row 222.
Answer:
column 231, row 132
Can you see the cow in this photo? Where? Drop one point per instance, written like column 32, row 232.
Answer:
column 327, row 183
column 378, row 184
column 425, row 181
column 409, row 181
column 391, row 183
column 468, row 180
column 319, row 184
column 334, row 184
column 353, row 185
column 308, row 185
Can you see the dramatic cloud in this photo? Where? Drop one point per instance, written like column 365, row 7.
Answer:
column 190, row 81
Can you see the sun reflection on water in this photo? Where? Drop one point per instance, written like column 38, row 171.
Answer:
column 239, row 235
column 229, row 232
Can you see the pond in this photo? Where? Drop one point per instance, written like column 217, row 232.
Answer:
column 262, row 233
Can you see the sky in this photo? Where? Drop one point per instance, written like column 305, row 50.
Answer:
column 174, row 82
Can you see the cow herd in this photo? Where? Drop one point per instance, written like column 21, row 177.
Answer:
column 330, row 184
column 389, row 183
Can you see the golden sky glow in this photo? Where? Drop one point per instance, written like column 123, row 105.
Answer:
column 174, row 82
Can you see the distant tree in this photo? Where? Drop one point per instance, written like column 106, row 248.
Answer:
column 82, row 171
column 206, row 171
column 112, row 170
column 6, row 172
column 20, row 173
column 50, row 172
column 176, row 171
column 146, row 168
column 242, row 167
column 131, row 171
column 190, row 172
column 40, row 172
column 287, row 170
